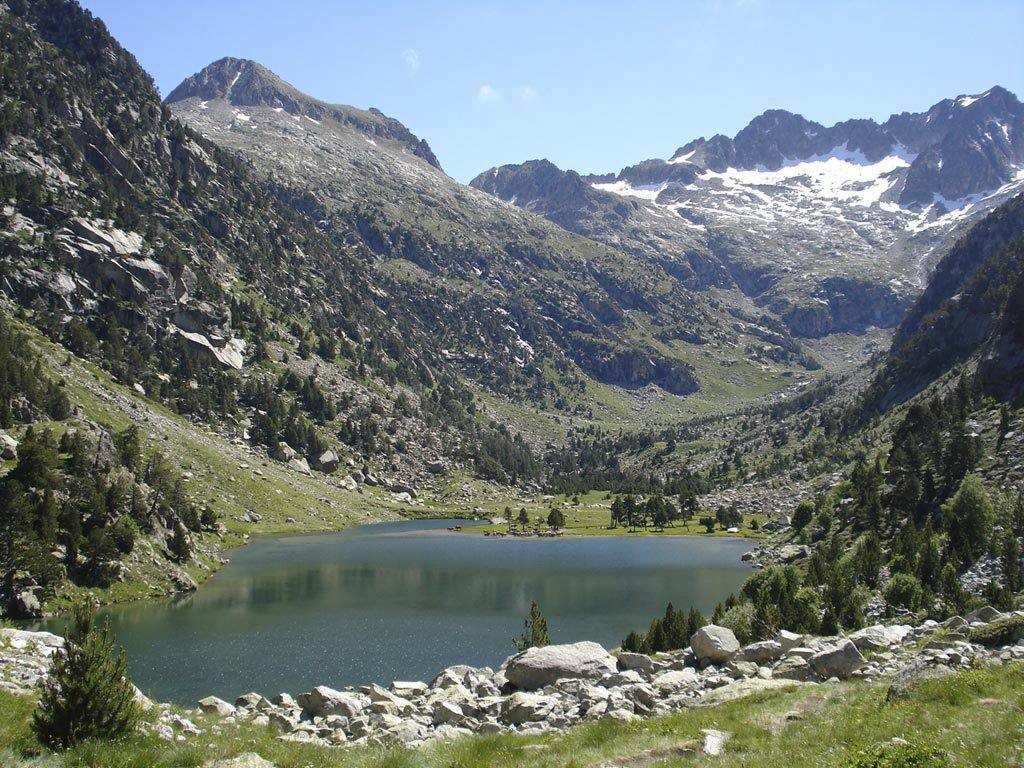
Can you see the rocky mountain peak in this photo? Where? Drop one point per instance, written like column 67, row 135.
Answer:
column 247, row 83
column 242, row 82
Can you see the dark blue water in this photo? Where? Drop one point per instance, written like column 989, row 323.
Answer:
column 402, row 601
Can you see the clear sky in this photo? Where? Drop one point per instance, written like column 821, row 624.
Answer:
column 590, row 85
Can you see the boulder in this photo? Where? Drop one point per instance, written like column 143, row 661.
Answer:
column 840, row 660
column 714, row 643
column 713, row 741
column 285, row 700
column 638, row 661
column 8, row 447
column 536, row 667
column 792, row 668
column 915, row 671
column 328, row 461
column 27, row 603
column 327, row 701
column 793, row 552
column 252, row 700
column 406, row 689
column 284, row 452
column 211, row 705
column 407, row 733
column 879, row 637
column 985, row 614
column 522, row 708
column 788, row 640
column 675, row 680
column 299, row 464
column 759, row 653
column 445, row 712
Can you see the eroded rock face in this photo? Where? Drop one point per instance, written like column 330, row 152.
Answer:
column 537, row 667
column 714, row 643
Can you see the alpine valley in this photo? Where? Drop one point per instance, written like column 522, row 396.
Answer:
column 240, row 310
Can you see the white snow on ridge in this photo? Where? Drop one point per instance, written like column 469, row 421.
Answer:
column 960, row 208
column 682, row 158
column 624, row 188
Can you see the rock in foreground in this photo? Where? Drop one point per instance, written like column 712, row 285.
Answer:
column 537, row 667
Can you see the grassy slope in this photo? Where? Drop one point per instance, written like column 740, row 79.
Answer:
column 975, row 716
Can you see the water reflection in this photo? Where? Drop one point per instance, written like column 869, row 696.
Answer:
column 403, row 600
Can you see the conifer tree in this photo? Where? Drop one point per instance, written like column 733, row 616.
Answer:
column 535, row 630
column 87, row 695
column 180, row 546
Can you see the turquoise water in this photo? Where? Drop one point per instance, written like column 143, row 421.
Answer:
column 402, row 601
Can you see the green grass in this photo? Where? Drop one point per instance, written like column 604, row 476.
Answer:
column 592, row 517
column 975, row 717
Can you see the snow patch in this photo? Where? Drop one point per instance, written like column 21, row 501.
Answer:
column 683, row 158
column 624, row 188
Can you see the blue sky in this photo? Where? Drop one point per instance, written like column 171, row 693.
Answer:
column 590, row 85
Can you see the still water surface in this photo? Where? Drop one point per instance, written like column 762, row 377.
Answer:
column 402, row 601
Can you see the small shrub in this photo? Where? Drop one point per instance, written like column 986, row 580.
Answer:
column 1005, row 631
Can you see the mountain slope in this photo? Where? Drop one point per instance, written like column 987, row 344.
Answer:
column 971, row 306
column 524, row 307
column 144, row 247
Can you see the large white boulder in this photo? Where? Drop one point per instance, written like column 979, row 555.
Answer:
column 715, row 643
column 536, row 667
column 766, row 650
column 211, row 705
column 840, row 660
column 880, row 637
column 327, row 701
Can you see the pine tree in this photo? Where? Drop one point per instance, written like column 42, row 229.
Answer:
column 1010, row 563
column 535, row 630
column 180, row 546
column 87, row 695
column 968, row 517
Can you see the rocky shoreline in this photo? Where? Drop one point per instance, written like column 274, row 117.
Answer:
column 555, row 687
